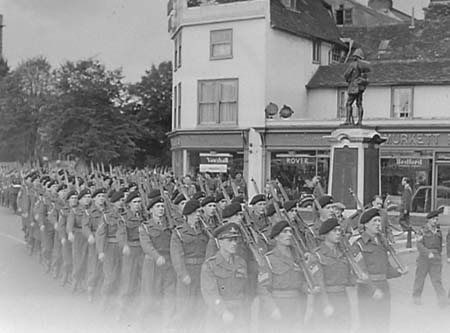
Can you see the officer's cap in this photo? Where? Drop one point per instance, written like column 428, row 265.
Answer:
column 278, row 228
column 191, row 207
column 328, row 225
column 368, row 215
column 228, row 230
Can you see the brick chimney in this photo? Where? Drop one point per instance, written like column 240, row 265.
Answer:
column 380, row 4
column 437, row 10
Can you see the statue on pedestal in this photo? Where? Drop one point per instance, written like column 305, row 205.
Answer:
column 356, row 75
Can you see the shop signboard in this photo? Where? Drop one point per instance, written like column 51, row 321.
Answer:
column 295, row 159
column 215, row 162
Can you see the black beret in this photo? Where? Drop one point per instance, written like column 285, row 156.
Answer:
column 270, row 210
column 207, row 200
column 238, row 199
column 51, row 183
column 191, row 206
column 231, row 209
column 432, row 214
column 227, row 230
column 117, row 196
column 98, row 191
column 44, row 178
column 60, row 172
column 174, row 195
column 71, row 193
column 154, row 201
column 368, row 214
column 328, row 225
column 278, row 227
column 132, row 185
column 199, row 195
column 180, row 197
column 325, row 200
column 220, row 197
column 131, row 196
column 61, row 187
column 257, row 198
column 83, row 193
column 288, row 205
column 34, row 177
column 154, row 194
column 90, row 183
column 30, row 175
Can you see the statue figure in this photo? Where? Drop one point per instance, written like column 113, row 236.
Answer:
column 357, row 79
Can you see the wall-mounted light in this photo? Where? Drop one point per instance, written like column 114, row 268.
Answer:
column 271, row 110
column 286, row 112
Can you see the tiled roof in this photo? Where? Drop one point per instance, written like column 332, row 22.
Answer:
column 311, row 20
column 428, row 40
column 387, row 74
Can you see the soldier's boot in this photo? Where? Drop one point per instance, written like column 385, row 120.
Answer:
column 348, row 114
column 360, row 116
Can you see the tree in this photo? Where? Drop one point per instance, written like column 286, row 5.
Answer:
column 152, row 108
column 23, row 94
column 86, row 120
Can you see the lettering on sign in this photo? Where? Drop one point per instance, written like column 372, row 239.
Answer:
column 293, row 159
column 409, row 162
column 416, row 139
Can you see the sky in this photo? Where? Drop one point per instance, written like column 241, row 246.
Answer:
column 131, row 34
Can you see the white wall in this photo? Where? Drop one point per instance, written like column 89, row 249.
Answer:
column 289, row 69
column 429, row 102
column 247, row 65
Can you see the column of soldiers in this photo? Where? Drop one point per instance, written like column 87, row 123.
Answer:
column 184, row 260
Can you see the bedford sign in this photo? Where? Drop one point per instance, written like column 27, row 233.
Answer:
column 211, row 162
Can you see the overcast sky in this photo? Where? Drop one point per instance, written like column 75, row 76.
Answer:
column 131, row 34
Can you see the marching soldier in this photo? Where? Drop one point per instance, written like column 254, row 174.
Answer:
column 223, row 284
column 333, row 311
column 187, row 250
column 158, row 275
column 108, row 248
column 91, row 221
column 46, row 226
column 325, row 211
column 259, row 217
column 24, row 206
column 209, row 208
column 79, row 242
column 374, row 299
column 281, row 285
column 67, row 255
column 128, row 237
column 53, row 217
column 429, row 260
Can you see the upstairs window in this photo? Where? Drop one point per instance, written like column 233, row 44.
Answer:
column 402, row 102
column 177, row 51
column 344, row 16
column 221, row 44
column 218, row 102
column 316, row 51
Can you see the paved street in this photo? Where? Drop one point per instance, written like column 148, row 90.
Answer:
column 31, row 301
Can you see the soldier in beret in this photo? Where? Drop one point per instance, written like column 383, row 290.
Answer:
column 325, row 211
column 158, row 275
column 221, row 202
column 209, row 208
column 429, row 259
column 67, row 266
column 223, row 284
column 91, row 221
column 332, row 314
column 109, row 252
column 79, row 242
column 374, row 299
column 258, row 214
column 128, row 238
column 53, row 217
column 180, row 200
column 281, row 285
column 187, row 251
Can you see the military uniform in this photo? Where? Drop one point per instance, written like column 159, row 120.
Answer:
column 158, row 282
column 47, row 227
column 429, row 242
column 223, row 286
column 67, row 255
column 187, row 251
column 107, row 243
column 37, row 202
column 91, row 222
column 23, row 203
column 281, row 285
column 53, row 218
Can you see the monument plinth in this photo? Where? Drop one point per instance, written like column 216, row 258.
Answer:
column 355, row 164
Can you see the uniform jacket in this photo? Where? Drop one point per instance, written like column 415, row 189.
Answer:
column 107, row 231
column 155, row 239
column 336, row 270
column 92, row 220
column 128, row 231
column 75, row 218
column 355, row 76
column 429, row 241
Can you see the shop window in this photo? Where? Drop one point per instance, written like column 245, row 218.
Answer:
column 341, row 100
column 316, row 51
column 218, row 102
column 221, row 44
column 402, row 102
column 296, row 170
column 215, row 162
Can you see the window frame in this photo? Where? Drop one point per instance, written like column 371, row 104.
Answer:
column 316, row 52
column 217, row 103
column 177, row 51
column 175, row 106
column 178, row 110
column 211, row 45
column 411, row 108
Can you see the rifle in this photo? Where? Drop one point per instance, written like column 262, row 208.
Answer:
column 224, row 191
column 250, row 238
column 390, row 249
column 283, row 191
column 354, row 259
column 255, row 186
column 171, row 214
column 208, row 230
column 234, row 187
